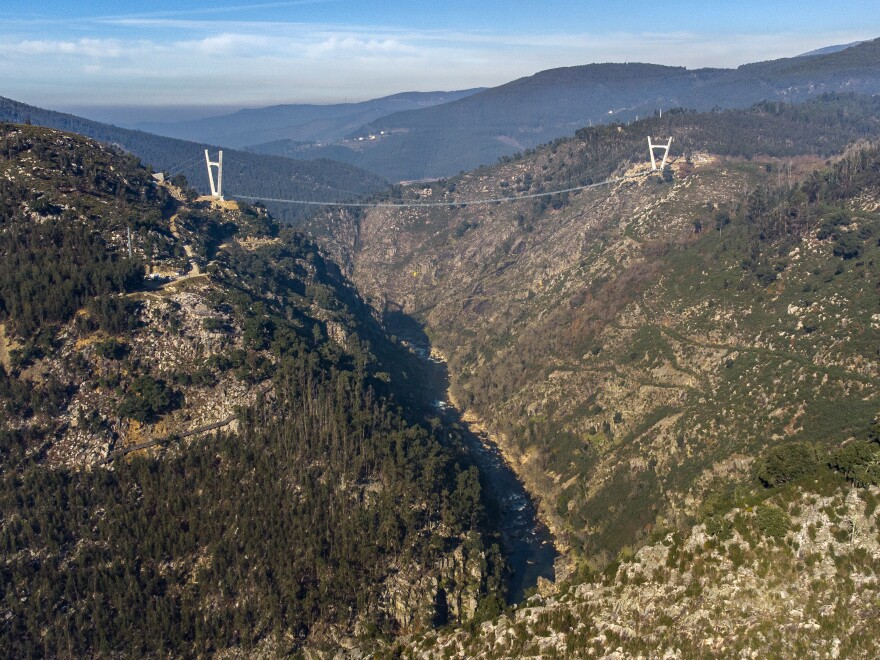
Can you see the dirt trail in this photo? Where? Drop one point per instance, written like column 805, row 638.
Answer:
column 193, row 266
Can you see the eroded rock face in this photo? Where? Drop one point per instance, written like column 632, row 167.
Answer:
column 743, row 595
column 419, row 597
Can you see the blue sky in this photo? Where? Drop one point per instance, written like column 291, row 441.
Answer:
column 65, row 53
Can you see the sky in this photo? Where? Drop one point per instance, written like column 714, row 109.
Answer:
column 67, row 54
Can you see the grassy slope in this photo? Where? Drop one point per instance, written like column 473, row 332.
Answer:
column 625, row 357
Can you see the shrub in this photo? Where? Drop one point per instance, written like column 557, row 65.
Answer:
column 858, row 461
column 112, row 349
column 148, row 398
column 736, row 554
column 212, row 324
column 829, row 225
column 848, row 246
column 772, row 521
column 719, row 527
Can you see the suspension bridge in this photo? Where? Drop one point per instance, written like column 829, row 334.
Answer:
column 216, row 186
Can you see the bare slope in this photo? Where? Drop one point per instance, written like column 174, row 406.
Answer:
column 795, row 576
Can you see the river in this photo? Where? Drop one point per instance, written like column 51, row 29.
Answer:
column 528, row 543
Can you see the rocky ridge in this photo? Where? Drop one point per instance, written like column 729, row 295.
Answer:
column 191, row 386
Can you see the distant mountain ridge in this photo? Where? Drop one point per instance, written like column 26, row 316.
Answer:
column 298, row 122
column 245, row 173
column 445, row 139
column 830, row 49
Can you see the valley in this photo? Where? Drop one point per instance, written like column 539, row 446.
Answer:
column 560, row 405
column 599, row 333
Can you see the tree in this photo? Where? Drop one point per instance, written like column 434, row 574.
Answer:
column 848, row 245
column 722, row 219
column 147, row 399
column 787, row 462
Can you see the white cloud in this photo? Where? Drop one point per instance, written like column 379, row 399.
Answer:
column 239, row 45
column 43, row 47
column 342, row 45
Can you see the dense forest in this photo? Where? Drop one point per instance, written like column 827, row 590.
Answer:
column 57, row 258
column 285, row 528
column 327, row 509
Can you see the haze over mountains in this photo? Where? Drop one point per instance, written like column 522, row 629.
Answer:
column 297, row 122
column 414, row 135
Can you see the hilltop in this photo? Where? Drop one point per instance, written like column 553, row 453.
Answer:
column 207, row 441
column 243, row 172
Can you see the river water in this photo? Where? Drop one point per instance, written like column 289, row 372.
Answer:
column 528, row 543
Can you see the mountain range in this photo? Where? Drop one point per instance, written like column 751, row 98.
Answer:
column 446, row 138
column 297, row 123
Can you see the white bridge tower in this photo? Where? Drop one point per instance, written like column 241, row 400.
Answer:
column 651, row 147
column 217, row 190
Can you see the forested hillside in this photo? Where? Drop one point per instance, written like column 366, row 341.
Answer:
column 635, row 346
column 446, row 139
column 244, row 173
column 202, row 444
